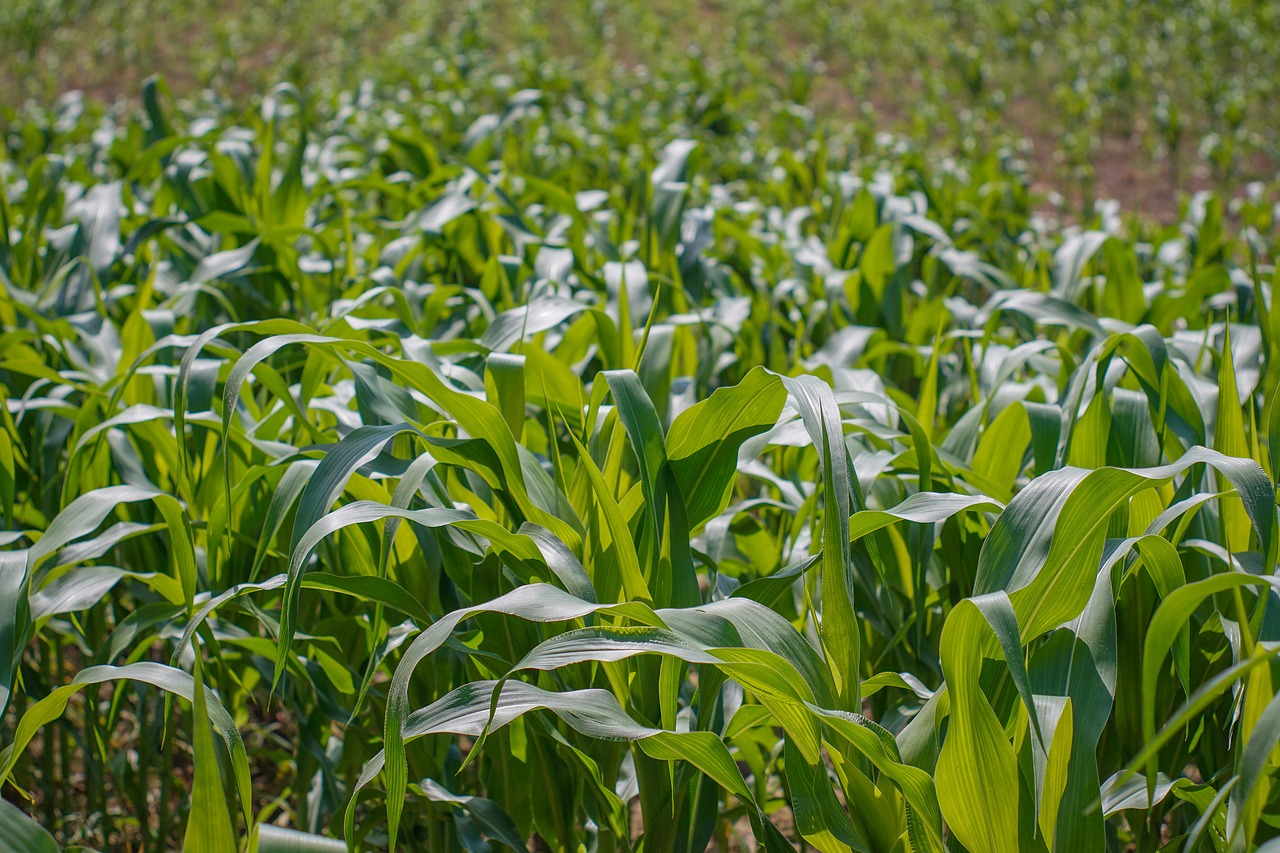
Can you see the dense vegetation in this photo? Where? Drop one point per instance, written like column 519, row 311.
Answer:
column 529, row 453
column 1125, row 101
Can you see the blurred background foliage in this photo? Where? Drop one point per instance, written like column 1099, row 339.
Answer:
column 1139, row 102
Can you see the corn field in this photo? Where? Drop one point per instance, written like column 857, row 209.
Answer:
column 511, row 469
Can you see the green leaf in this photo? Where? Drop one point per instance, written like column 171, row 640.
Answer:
column 704, row 440
column 1229, row 439
column 840, row 630
column 209, row 827
column 21, row 834
column 979, row 786
column 1044, row 548
column 275, row 839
